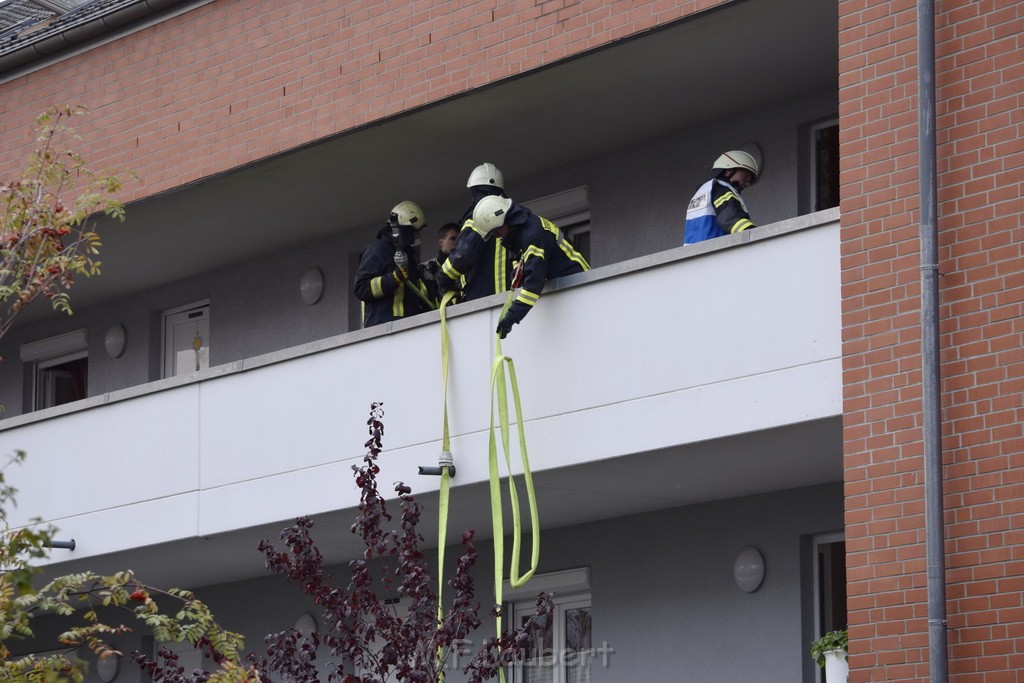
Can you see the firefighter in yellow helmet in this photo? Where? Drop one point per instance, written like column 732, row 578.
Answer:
column 387, row 269
column 536, row 243
column 717, row 208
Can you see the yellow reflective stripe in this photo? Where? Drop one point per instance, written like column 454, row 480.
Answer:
column 724, row 198
column 564, row 244
column 500, row 274
column 448, row 269
column 398, row 302
column 527, row 297
column 469, row 224
column 574, row 255
column 741, row 225
column 532, row 250
column 376, row 289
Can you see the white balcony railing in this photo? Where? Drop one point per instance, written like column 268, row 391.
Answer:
column 677, row 348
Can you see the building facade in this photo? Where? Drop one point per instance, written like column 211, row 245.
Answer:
column 682, row 403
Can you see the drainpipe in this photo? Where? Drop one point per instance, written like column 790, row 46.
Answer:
column 938, row 664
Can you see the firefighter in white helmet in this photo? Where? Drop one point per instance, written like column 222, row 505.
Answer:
column 385, row 279
column 717, row 208
column 476, row 267
column 540, row 247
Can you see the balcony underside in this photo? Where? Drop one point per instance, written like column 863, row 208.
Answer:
column 778, row 459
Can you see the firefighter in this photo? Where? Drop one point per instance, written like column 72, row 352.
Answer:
column 536, row 243
column 717, row 208
column 385, row 281
column 446, row 238
column 477, row 267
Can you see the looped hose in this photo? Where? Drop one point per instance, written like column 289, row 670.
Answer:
column 499, row 389
column 497, row 522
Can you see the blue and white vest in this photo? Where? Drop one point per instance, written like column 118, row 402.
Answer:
column 701, row 221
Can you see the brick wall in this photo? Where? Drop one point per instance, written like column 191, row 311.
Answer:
column 980, row 127
column 238, row 80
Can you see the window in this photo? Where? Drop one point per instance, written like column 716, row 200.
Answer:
column 562, row 651
column 187, row 339
column 824, row 147
column 829, row 584
column 356, row 314
column 577, row 231
column 570, row 211
column 59, row 369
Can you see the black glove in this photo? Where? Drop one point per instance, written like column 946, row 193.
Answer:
column 504, row 327
column 446, row 284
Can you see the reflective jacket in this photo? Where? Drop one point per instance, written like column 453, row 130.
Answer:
column 477, row 266
column 544, row 253
column 715, row 210
column 385, row 297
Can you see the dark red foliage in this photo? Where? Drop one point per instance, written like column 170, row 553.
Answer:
column 368, row 640
column 166, row 669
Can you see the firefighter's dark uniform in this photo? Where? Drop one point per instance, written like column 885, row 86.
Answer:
column 429, row 272
column 384, row 296
column 715, row 210
column 544, row 252
column 476, row 267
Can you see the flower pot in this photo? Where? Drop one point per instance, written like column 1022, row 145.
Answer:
column 837, row 670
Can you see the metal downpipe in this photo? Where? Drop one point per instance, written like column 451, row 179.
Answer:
column 938, row 657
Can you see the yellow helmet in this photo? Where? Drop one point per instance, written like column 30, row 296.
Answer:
column 409, row 213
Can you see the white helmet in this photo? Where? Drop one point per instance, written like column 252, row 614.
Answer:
column 736, row 159
column 490, row 213
column 486, row 174
column 409, row 213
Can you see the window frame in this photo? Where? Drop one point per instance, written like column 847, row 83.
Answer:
column 818, row 544
column 570, row 211
column 570, row 589
column 50, row 352
column 812, row 176
column 166, row 359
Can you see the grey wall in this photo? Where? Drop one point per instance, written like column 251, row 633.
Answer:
column 638, row 197
column 663, row 595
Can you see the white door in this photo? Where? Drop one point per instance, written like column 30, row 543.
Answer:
column 186, row 340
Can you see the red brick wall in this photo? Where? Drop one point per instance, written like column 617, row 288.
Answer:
column 238, row 80
column 980, row 127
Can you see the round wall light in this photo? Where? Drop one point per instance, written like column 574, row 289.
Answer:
column 748, row 570
column 306, row 624
column 114, row 340
column 107, row 666
column 311, row 286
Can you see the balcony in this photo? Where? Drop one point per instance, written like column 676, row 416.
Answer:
column 699, row 373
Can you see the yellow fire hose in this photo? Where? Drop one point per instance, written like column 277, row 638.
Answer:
column 499, row 391
column 443, row 493
column 423, row 297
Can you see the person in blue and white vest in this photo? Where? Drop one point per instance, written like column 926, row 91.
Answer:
column 717, row 208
